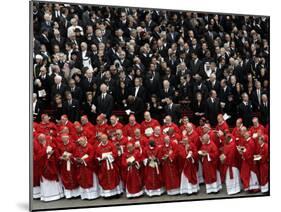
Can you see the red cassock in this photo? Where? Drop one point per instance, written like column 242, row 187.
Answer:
column 231, row 154
column 190, row 165
column 193, row 138
column 142, row 140
column 199, row 130
column 172, row 125
column 47, row 128
column 101, row 128
column 248, row 163
column 68, row 176
column 225, row 129
column 169, row 167
column 37, row 154
column 152, row 175
column 90, row 128
column 70, row 127
column 183, row 127
column 263, row 164
column 47, row 167
column 213, row 138
column 111, row 130
column 108, row 173
column 131, row 171
column 175, row 137
column 158, row 139
column 257, row 129
column 85, row 170
column 84, row 133
column 129, row 130
column 149, row 124
column 210, row 166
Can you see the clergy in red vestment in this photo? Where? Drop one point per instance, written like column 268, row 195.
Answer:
column 169, row 124
column 64, row 122
column 148, row 124
column 168, row 153
column 229, row 165
column 193, row 136
column 236, row 129
column 221, row 130
column 113, row 126
column 202, row 123
column 157, row 136
column 174, row 137
column 189, row 177
column 131, row 171
column 263, row 160
column 257, row 127
column 80, row 132
column 36, row 168
column 129, row 129
column 108, row 173
column 88, row 125
column 46, row 126
column 249, row 169
column 50, row 187
column 67, row 167
column 213, row 137
column 86, row 177
column 101, row 126
column 140, row 141
column 209, row 154
column 184, row 121
column 153, row 182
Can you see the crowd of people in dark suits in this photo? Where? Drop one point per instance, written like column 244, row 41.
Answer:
column 97, row 60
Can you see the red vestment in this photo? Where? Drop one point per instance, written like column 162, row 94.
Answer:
column 209, row 165
column 108, row 173
column 85, row 170
column 47, row 128
column 193, row 137
column 131, row 171
column 152, row 175
column 149, row 124
column 129, row 130
column 263, row 164
column 158, row 139
column 68, row 177
column 169, row 167
column 248, row 163
column 231, row 156
column 111, row 130
column 172, row 125
column 101, row 128
column 190, row 165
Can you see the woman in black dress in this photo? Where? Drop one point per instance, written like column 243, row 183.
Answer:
column 89, row 106
column 57, row 107
column 155, row 108
column 121, row 95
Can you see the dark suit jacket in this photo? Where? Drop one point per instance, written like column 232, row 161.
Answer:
column 212, row 110
column 196, row 68
column 76, row 94
column 264, row 111
column 174, row 112
column 245, row 112
column 72, row 110
column 105, row 106
column 56, row 91
column 141, row 93
column 137, row 106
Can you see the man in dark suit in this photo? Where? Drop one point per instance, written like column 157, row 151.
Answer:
column 196, row 65
column 244, row 110
column 174, row 110
column 264, row 110
column 152, row 81
column 36, row 107
column 166, row 91
column 256, row 96
column 136, row 106
column 88, row 81
column 212, row 83
column 71, row 107
column 212, row 108
column 138, row 90
column 104, row 102
column 76, row 91
column 224, row 91
column 58, row 87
